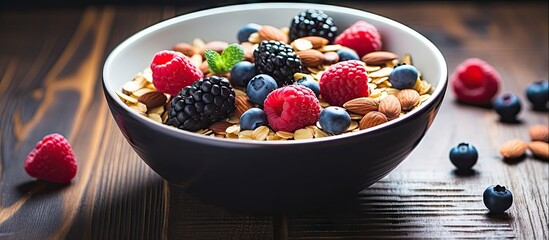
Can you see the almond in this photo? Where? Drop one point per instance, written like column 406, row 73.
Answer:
column 301, row 44
column 539, row 149
column 539, row 132
column 378, row 57
column 514, row 148
column 184, row 48
column 372, row 119
column 316, row 41
column 242, row 104
column 361, row 105
column 310, row 58
column 217, row 46
column 331, row 58
column 153, row 99
column 248, row 51
column 267, row 32
column 220, row 127
column 409, row 98
column 390, row 106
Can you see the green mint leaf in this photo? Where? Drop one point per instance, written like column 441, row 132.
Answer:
column 215, row 64
column 231, row 56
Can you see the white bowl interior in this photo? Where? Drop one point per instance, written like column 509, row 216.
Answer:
column 134, row 54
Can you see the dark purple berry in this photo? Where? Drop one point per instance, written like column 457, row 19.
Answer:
column 241, row 73
column 507, row 106
column 334, row 120
column 497, row 198
column 403, row 76
column 310, row 83
column 538, row 95
column 244, row 32
column 464, row 156
column 259, row 87
column 253, row 118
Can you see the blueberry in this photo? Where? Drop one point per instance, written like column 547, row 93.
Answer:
column 245, row 32
column 538, row 95
column 259, row 87
column 464, row 156
column 347, row 54
column 253, row 118
column 334, row 120
column 497, row 198
column 507, row 106
column 241, row 73
column 403, row 76
column 310, row 83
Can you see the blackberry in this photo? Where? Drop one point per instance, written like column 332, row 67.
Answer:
column 313, row 22
column 277, row 60
column 206, row 101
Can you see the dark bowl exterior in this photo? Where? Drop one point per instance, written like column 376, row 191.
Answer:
column 266, row 178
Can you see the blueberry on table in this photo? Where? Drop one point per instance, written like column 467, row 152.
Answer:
column 253, row 118
column 244, row 32
column 242, row 73
column 334, row 120
column 403, row 76
column 507, row 106
column 259, row 87
column 538, row 95
column 464, row 156
column 497, row 198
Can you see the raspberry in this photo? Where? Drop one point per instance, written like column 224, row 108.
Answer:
column 475, row 82
column 172, row 71
column 361, row 37
column 291, row 107
column 52, row 160
column 344, row 81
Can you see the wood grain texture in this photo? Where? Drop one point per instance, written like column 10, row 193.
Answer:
column 50, row 66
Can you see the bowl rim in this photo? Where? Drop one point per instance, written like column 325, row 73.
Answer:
column 177, row 133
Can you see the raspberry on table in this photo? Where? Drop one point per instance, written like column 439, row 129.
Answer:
column 172, row 71
column 362, row 37
column 344, row 81
column 291, row 107
column 52, row 160
column 475, row 82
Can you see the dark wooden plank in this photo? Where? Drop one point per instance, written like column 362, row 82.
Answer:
column 50, row 69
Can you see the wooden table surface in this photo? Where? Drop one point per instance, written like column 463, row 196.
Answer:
column 50, row 81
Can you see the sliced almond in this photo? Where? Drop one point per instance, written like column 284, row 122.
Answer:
column 303, row 133
column 514, row 148
column 361, row 105
column 260, row 133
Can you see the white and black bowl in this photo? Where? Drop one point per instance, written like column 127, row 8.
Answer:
column 270, row 176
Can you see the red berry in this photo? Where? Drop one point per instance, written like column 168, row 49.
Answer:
column 291, row 107
column 344, row 81
column 475, row 82
column 52, row 160
column 361, row 37
column 172, row 71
